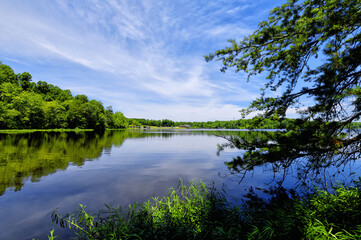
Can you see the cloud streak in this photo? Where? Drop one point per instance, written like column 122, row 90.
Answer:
column 149, row 51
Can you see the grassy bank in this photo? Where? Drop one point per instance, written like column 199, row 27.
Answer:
column 43, row 130
column 194, row 211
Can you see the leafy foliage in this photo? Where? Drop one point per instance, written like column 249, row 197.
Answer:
column 310, row 51
column 194, row 211
column 189, row 212
column 25, row 104
column 232, row 124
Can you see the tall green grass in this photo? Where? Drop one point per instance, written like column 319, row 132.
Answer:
column 191, row 211
column 195, row 211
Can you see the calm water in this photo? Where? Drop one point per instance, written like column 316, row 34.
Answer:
column 43, row 171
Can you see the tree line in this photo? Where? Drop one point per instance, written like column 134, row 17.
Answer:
column 271, row 123
column 25, row 104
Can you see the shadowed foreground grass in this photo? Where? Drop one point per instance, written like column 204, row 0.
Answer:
column 195, row 211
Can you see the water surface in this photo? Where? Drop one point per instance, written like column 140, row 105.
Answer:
column 42, row 171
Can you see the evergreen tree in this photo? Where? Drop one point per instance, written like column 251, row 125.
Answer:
column 309, row 50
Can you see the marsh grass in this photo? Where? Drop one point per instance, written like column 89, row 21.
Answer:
column 195, row 211
column 191, row 211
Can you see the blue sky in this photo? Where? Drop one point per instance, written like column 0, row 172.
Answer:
column 144, row 58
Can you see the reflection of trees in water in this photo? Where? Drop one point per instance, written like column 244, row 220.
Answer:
column 34, row 155
column 304, row 172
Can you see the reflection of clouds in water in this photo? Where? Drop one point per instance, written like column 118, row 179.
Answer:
column 138, row 170
column 175, row 144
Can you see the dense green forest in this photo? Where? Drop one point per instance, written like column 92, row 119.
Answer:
column 25, row 104
column 29, row 105
column 283, row 123
column 232, row 124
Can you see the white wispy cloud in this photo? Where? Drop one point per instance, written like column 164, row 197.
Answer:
column 145, row 49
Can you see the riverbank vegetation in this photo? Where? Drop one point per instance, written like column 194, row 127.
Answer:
column 195, row 211
column 279, row 123
column 29, row 105
column 231, row 124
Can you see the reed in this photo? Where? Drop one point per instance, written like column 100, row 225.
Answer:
column 195, row 211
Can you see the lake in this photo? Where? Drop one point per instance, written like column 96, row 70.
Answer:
column 42, row 171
